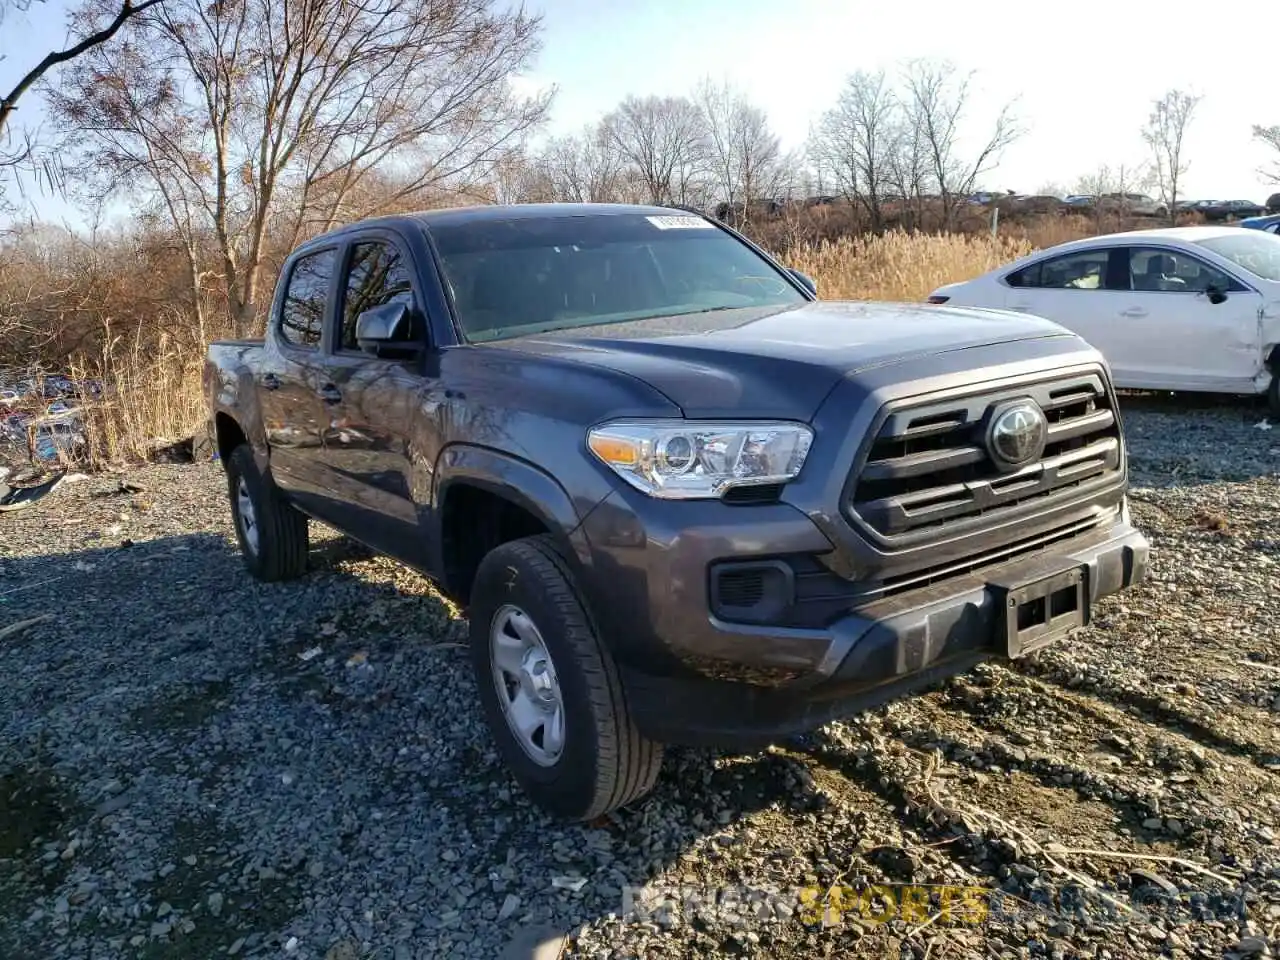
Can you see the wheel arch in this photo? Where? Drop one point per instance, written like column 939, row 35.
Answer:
column 484, row 497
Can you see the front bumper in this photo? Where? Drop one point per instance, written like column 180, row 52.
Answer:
column 867, row 657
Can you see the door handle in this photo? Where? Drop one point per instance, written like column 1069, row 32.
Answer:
column 1021, row 307
column 329, row 393
column 1133, row 312
column 270, row 381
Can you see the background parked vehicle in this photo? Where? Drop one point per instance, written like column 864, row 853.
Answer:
column 1132, row 204
column 1187, row 308
column 1271, row 223
column 1231, row 210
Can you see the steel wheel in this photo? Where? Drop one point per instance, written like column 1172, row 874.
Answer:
column 525, row 680
column 246, row 516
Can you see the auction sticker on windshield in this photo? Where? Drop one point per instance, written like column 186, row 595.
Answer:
column 680, row 223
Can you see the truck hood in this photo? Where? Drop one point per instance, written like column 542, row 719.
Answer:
column 778, row 362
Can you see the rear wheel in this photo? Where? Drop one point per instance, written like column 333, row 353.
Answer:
column 273, row 536
column 549, row 687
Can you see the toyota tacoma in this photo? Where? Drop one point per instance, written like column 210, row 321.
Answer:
column 681, row 499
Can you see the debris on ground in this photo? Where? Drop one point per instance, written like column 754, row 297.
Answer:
column 169, row 743
column 19, row 498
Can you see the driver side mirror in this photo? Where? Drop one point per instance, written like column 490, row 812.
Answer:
column 1215, row 293
column 805, row 281
column 386, row 331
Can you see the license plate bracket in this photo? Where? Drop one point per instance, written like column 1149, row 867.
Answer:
column 1038, row 610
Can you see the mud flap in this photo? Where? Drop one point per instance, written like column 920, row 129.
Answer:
column 1041, row 609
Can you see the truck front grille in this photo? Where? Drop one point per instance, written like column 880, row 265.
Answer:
column 929, row 470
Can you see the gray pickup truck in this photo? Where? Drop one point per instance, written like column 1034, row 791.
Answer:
column 681, row 499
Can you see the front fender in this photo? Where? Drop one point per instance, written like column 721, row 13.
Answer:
column 517, row 480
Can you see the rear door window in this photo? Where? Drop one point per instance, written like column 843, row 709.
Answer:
column 1079, row 270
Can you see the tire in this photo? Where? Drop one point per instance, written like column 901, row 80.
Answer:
column 1273, row 396
column 278, row 551
column 603, row 763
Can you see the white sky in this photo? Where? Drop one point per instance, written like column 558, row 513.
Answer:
column 1085, row 73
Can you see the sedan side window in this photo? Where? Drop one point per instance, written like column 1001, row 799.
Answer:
column 305, row 299
column 1154, row 269
column 378, row 274
column 1083, row 270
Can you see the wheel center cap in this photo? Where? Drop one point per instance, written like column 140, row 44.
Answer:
column 536, row 676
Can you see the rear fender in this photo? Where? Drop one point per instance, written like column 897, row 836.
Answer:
column 233, row 394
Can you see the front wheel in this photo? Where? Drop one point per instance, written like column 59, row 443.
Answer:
column 550, row 689
column 272, row 534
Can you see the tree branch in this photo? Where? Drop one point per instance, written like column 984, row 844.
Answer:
column 9, row 102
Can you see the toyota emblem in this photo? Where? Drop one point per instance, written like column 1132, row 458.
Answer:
column 1016, row 434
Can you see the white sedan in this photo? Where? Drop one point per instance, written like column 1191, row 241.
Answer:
column 1183, row 308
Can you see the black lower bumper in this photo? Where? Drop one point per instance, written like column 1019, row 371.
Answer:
column 895, row 646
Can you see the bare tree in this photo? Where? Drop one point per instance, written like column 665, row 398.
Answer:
column 246, row 119
column 909, row 167
column 1164, row 133
column 858, row 139
column 17, row 148
column 937, row 101
column 663, row 140
column 585, row 169
column 743, row 153
column 1271, row 137
column 1109, row 186
column 516, row 179
column 1107, row 179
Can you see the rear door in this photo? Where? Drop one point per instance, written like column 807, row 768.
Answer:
column 381, row 434
column 1075, row 290
column 290, row 372
column 1186, row 340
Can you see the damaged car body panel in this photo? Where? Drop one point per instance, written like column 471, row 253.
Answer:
column 1183, row 308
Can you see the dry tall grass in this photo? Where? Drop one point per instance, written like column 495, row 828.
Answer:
column 152, row 372
column 153, row 397
column 900, row 266
column 908, row 266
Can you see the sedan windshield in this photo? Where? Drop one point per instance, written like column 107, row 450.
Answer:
column 513, row 277
column 1253, row 250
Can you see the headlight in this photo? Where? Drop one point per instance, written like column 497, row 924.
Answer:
column 688, row 459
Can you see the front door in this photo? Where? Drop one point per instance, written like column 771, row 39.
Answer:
column 379, row 412
column 1188, row 341
column 1072, row 290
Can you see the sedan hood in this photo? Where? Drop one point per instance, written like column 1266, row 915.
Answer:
column 778, row 362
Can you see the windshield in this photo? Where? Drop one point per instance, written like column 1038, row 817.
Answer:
column 509, row 278
column 1253, row 250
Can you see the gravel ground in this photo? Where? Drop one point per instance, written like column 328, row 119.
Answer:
column 193, row 765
